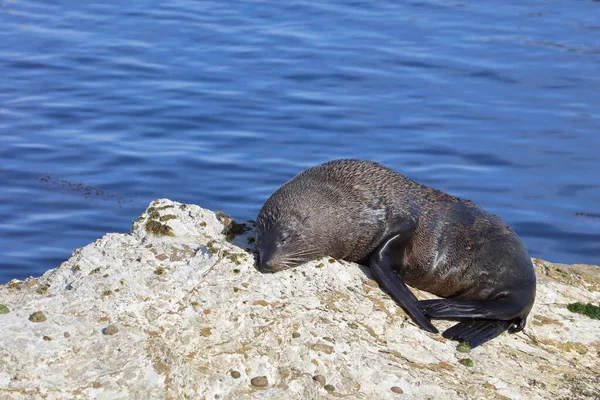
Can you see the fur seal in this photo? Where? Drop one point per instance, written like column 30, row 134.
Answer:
column 407, row 233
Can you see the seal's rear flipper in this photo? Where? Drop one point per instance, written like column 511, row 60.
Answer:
column 502, row 309
column 476, row 331
column 382, row 263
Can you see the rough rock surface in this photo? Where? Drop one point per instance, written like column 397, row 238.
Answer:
column 174, row 310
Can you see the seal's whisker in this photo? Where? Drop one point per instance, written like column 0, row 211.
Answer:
column 299, row 258
column 296, row 260
column 303, row 253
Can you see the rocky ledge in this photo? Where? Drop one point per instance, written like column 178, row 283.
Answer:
column 177, row 309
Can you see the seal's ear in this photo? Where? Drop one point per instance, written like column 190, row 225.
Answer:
column 384, row 261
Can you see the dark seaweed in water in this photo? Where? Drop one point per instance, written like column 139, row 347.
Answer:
column 583, row 214
column 81, row 189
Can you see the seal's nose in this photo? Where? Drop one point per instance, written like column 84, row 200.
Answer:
column 265, row 261
column 266, row 252
column 267, row 265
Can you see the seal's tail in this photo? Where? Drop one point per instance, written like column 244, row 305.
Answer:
column 476, row 331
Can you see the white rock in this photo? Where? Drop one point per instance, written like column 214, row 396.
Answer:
column 188, row 315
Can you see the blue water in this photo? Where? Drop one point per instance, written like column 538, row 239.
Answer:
column 107, row 106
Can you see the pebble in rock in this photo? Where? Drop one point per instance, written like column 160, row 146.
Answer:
column 329, row 388
column 320, row 379
column 37, row 316
column 110, row 330
column 235, row 374
column 396, row 389
column 259, row 381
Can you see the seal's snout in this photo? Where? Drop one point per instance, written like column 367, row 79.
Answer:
column 265, row 260
column 269, row 260
column 267, row 266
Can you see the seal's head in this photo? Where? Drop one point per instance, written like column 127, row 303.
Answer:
column 290, row 228
column 282, row 239
column 327, row 210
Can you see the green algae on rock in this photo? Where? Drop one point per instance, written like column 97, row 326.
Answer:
column 153, row 211
column 467, row 362
column 42, row 289
column 463, row 347
column 158, row 229
column 588, row 309
column 167, row 217
column 235, row 258
column 4, row 309
column 210, row 247
column 224, row 218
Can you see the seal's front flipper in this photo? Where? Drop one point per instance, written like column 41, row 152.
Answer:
column 476, row 331
column 502, row 309
column 403, row 296
column 382, row 263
